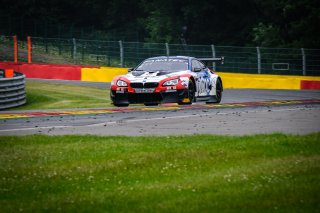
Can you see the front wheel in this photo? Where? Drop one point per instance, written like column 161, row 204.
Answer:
column 215, row 99
column 190, row 94
column 121, row 105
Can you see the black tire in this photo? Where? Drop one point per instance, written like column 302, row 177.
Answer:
column 191, row 94
column 219, row 90
column 151, row 104
column 121, row 105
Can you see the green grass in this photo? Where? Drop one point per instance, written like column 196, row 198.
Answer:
column 201, row 173
column 47, row 95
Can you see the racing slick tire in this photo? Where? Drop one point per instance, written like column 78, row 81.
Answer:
column 190, row 96
column 219, row 90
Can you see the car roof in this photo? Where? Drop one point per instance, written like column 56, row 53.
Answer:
column 170, row 57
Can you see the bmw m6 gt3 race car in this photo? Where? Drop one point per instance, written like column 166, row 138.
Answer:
column 172, row 79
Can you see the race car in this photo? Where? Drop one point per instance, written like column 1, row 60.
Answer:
column 168, row 79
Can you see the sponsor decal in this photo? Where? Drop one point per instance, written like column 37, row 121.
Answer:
column 144, row 90
column 121, row 90
column 171, row 89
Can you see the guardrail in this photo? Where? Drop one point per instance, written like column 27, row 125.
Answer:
column 12, row 90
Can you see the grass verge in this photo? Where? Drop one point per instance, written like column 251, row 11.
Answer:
column 47, row 95
column 201, row 173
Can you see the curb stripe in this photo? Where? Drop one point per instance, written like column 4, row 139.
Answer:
column 310, row 85
column 163, row 107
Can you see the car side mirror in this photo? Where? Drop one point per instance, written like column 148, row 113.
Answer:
column 130, row 69
column 197, row 69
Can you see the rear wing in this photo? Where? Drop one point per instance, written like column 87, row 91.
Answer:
column 221, row 59
column 213, row 60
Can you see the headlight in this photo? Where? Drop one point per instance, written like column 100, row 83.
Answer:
column 172, row 82
column 121, row 83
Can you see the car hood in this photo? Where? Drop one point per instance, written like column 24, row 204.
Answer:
column 139, row 76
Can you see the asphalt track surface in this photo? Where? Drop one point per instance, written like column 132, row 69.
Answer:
column 241, row 112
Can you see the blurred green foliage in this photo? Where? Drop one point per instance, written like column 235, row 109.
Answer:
column 272, row 23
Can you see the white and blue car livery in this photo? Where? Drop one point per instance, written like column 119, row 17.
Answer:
column 168, row 79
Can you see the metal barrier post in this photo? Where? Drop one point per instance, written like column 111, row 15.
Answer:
column 74, row 53
column 121, row 53
column 15, row 49
column 167, row 49
column 304, row 69
column 259, row 60
column 46, row 45
column 213, row 49
column 82, row 52
column 29, row 50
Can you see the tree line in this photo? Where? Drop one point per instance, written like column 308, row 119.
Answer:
column 267, row 23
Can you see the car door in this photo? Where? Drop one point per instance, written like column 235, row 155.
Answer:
column 203, row 79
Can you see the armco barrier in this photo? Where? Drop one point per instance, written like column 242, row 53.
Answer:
column 12, row 91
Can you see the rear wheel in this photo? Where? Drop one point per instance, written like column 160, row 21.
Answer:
column 219, row 91
column 190, row 96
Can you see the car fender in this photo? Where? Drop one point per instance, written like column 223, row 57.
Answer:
column 204, row 82
column 117, row 78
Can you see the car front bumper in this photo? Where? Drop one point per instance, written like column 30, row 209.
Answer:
column 125, row 97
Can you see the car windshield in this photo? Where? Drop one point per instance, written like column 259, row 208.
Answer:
column 163, row 64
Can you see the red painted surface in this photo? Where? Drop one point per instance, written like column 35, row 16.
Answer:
column 46, row 71
column 310, row 85
column 51, row 71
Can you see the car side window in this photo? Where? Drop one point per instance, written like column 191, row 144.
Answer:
column 202, row 66
column 196, row 65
